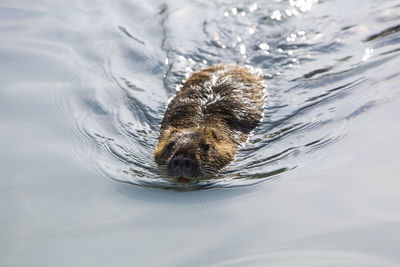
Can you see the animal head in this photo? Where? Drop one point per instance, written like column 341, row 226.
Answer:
column 194, row 153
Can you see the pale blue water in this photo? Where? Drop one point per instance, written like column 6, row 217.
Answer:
column 84, row 85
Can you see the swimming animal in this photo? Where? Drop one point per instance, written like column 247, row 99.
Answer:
column 213, row 112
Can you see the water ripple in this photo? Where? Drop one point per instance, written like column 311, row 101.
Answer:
column 322, row 72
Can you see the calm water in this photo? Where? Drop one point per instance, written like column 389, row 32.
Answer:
column 84, row 85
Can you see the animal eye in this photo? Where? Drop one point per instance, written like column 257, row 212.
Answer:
column 171, row 144
column 214, row 135
column 205, row 146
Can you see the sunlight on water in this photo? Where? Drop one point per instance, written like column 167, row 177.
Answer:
column 84, row 86
column 314, row 73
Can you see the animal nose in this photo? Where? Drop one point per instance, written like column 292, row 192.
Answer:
column 182, row 166
column 182, row 162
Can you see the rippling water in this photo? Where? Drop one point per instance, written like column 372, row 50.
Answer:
column 84, row 85
column 320, row 64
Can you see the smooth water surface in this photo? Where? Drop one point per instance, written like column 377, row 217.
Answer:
column 84, row 85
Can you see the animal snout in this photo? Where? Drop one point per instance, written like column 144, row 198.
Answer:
column 182, row 166
column 182, row 162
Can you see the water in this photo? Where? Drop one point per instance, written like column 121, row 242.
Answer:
column 84, row 87
column 317, row 75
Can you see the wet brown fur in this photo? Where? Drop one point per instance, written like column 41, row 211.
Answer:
column 215, row 110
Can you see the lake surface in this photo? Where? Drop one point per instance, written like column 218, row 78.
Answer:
column 84, row 86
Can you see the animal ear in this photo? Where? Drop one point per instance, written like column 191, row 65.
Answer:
column 167, row 133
